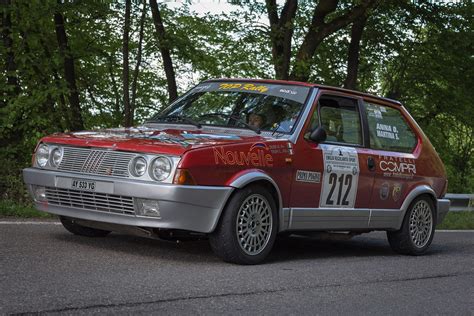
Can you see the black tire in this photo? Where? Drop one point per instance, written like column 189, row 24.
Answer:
column 76, row 229
column 227, row 241
column 416, row 234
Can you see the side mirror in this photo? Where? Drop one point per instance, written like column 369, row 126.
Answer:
column 318, row 135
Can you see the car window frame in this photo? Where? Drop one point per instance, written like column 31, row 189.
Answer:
column 362, row 117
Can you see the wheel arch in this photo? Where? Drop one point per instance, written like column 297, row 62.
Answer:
column 415, row 193
column 259, row 177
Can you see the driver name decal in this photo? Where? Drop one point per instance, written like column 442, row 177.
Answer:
column 340, row 178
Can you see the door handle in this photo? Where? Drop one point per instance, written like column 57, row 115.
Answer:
column 371, row 163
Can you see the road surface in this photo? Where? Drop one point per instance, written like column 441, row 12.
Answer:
column 45, row 269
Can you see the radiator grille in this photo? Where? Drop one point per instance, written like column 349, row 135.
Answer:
column 91, row 200
column 92, row 161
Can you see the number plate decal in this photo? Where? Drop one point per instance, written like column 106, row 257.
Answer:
column 340, row 176
column 83, row 185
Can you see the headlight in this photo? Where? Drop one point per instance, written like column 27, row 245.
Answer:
column 160, row 168
column 42, row 155
column 138, row 166
column 56, row 156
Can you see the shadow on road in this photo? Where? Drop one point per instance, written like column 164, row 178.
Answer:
column 285, row 249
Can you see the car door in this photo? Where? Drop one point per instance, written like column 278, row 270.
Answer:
column 332, row 180
column 393, row 144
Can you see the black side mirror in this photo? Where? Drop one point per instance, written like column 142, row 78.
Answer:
column 318, row 135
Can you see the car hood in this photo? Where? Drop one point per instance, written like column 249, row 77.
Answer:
column 151, row 140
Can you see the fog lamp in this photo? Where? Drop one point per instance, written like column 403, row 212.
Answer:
column 39, row 193
column 147, row 207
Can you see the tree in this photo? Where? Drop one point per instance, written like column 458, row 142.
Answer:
column 12, row 84
column 163, row 44
column 353, row 52
column 75, row 119
column 281, row 33
column 125, row 67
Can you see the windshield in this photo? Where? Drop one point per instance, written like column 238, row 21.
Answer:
column 256, row 106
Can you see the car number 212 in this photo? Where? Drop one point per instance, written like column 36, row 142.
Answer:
column 343, row 181
column 340, row 178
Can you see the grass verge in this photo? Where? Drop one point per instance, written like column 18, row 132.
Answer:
column 458, row 220
column 14, row 209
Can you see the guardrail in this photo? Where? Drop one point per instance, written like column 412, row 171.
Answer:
column 460, row 202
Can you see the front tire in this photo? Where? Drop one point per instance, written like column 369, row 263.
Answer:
column 417, row 231
column 76, row 229
column 247, row 229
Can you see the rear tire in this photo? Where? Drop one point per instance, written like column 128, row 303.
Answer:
column 76, row 229
column 247, row 228
column 417, row 231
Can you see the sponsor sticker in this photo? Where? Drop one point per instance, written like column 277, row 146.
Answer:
column 397, row 167
column 341, row 176
column 384, row 191
column 397, row 191
column 308, row 176
column 258, row 155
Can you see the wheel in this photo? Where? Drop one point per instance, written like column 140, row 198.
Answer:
column 247, row 228
column 417, row 231
column 76, row 229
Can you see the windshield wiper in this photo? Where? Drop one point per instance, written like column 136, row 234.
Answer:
column 177, row 118
column 237, row 119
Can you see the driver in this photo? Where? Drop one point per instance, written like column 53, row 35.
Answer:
column 256, row 120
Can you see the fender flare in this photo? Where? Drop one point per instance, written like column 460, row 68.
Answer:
column 416, row 192
column 241, row 180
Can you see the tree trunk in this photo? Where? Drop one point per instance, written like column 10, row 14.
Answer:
column 354, row 52
column 164, row 49
column 125, row 71
column 69, row 73
column 13, row 85
column 319, row 30
column 137, row 65
column 281, row 35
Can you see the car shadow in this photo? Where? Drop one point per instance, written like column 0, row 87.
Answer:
column 290, row 248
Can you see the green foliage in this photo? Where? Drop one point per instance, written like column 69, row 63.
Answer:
column 11, row 208
column 458, row 220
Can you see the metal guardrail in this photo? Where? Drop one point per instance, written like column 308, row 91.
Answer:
column 460, row 202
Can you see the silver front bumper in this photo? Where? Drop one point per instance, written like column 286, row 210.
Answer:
column 443, row 209
column 194, row 208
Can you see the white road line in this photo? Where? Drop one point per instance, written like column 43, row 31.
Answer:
column 455, row 231
column 28, row 223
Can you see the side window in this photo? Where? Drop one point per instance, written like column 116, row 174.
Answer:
column 388, row 129
column 341, row 120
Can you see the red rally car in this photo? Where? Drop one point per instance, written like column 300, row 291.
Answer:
column 240, row 161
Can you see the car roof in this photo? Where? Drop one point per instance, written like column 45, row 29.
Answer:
column 306, row 84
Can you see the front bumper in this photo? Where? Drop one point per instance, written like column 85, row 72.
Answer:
column 443, row 209
column 193, row 208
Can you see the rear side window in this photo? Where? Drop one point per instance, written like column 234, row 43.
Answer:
column 388, row 129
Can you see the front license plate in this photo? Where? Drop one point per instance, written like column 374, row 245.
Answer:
column 86, row 185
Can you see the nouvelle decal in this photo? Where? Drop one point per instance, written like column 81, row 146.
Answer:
column 256, row 156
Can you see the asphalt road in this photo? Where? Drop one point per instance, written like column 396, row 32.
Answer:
column 47, row 270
